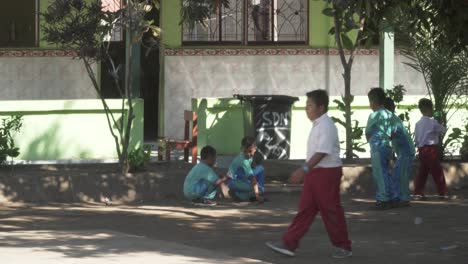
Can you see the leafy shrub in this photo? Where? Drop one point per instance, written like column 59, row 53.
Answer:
column 8, row 127
column 464, row 146
column 140, row 157
column 356, row 131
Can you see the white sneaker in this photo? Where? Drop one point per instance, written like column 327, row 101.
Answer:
column 280, row 248
column 341, row 253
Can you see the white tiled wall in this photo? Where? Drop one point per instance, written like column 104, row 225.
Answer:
column 44, row 78
column 189, row 77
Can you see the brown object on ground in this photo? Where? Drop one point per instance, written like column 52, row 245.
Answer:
column 187, row 143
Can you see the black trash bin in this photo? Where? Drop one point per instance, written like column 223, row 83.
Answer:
column 268, row 119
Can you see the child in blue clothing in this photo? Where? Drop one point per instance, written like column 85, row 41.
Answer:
column 403, row 147
column 243, row 186
column 201, row 183
column 378, row 132
column 259, row 171
column 259, row 174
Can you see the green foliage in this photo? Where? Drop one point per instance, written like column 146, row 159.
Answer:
column 432, row 38
column 443, row 20
column 140, row 157
column 356, row 131
column 464, row 145
column 8, row 127
column 446, row 75
column 397, row 94
column 199, row 11
column 453, row 140
column 83, row 25
column 361, row 17
column 76, row 25
column 444, row 72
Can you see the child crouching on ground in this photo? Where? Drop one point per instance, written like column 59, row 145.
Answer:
column 243, row 186
column 200, row 185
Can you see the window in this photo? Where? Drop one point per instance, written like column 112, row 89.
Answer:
column 226, row 26
column 19, row 23
column 254, row 22
column 113, row 6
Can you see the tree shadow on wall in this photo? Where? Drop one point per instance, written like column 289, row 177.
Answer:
column 66, row 183
column 49, row 145
column 223, row 123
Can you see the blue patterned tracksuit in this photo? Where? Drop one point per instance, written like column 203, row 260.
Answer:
column 380, row 125
column 239, row 171
column 403, row 147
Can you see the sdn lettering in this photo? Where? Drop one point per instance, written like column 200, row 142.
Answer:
column 275, row 119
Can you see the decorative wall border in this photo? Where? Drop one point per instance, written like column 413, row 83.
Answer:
column 259, row 51
column 37, row 53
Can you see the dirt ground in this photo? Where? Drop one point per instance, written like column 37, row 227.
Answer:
column 239, row 230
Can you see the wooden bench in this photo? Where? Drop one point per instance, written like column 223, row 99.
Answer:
column 186, row 143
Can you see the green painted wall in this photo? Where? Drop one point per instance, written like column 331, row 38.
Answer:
column 220, row 124
column 68, row 129
column 319, row 25
column 170, row 23
column 43, row 5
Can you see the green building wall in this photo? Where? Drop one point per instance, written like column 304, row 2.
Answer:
column 73, row 129
column 68, row 129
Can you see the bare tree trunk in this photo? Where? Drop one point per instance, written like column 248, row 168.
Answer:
column 347, row 81
column 107, row 110
column 347, row 103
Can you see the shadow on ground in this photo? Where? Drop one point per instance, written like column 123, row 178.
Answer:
column 238, row 230
column 93, row 183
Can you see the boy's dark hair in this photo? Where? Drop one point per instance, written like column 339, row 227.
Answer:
column 258, row 158
column 377, row 95
column 425, row 104
column 247, row 142
column 207, row 152
column 320, row 97
column 389, row 104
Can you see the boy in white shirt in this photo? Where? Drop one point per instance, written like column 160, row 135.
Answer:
column 322, row 174
column 427, row 132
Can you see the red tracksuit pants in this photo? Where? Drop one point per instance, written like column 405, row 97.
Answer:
column 321, row 193
column 429, row 162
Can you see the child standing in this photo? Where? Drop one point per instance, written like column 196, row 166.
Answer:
column 403, row 147
column 243, row 186
column 200, row 185
column 427, row 132
column 378, row 132
column 322, row 174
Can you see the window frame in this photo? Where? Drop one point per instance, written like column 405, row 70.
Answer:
column 36, row 31
column 245, row 32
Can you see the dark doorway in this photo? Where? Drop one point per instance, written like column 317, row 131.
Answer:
column 149, row 77
column 150, row 91
column 149, row 62
column 117, row 53
column 149, row 81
